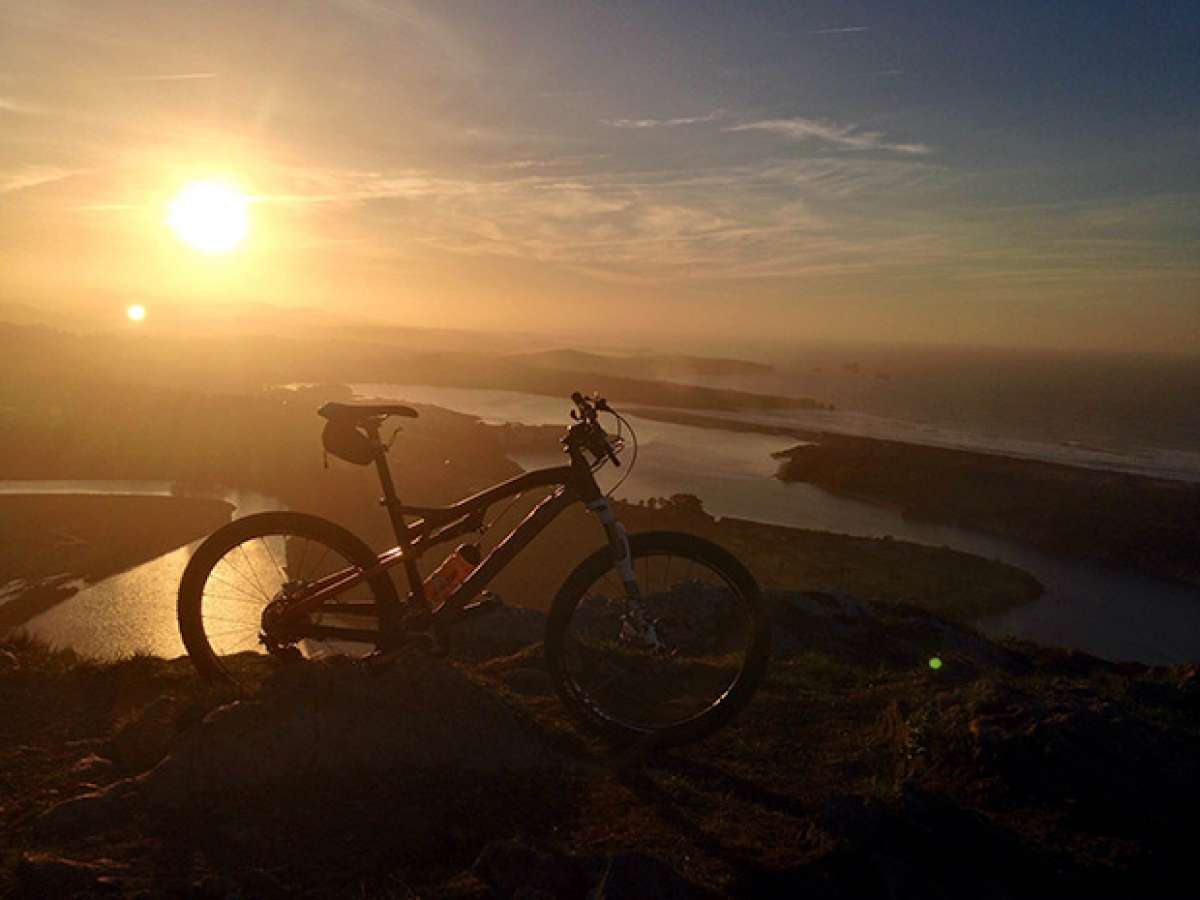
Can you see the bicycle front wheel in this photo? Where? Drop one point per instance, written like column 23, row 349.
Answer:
column 248, row 570
column 672, row 666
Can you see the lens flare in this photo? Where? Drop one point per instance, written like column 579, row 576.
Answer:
column 935, row 663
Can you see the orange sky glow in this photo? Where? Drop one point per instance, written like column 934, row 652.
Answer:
column 441, row 165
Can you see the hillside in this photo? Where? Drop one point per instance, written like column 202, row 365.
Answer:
column 653, row 366
column 241, row 363
column 1148, row 524
column 858, row 771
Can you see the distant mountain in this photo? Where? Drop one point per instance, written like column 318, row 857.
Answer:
column 653, row 367
column 248, row 359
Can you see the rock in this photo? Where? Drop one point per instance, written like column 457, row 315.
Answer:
column 92, row 766
column 321, row 721
column 1066, row 746
column 795, row 613
column 842, row 607
column 47, row 875
column 865, row 632
column 928, row 847
column 141, row 741
column 514, row 868
column 1189, row 687
column 853, row 818
column 500, row 632
column 89, row 811
column 633, row 875
column 528, row 680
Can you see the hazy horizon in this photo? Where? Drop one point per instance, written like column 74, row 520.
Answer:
column 694, row 176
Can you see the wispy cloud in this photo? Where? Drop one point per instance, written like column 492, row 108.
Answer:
column 847, row 29
column 183, row 76
column 850, row 137
column 20, row 108
column 771, row 218
column 665, row 123
column 32, row 176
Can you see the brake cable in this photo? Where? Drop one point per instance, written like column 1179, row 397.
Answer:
column 621, row 420
column 483, row 528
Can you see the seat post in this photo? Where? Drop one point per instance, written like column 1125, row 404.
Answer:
column 392, row 503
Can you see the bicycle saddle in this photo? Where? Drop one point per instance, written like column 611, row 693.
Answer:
column 359, row 411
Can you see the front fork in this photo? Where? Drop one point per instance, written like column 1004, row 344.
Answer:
column 636, row 625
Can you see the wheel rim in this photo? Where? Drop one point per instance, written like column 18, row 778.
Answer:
column 704, row 627
column 258, row 571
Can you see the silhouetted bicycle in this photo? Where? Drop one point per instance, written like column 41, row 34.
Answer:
column 660, row 635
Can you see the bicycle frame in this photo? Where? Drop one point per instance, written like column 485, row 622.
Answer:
column 573, row 483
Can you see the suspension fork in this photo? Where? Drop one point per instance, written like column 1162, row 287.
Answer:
column 636, row 625
column 618, row 540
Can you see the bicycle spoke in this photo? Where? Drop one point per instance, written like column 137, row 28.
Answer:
column 250, row 564
column 300, row 565
column 209, row 617
column 242, row 575
column 317, row 568
column 242, row 643
column 253, row 600
column 267, row 546
column 252, row 573
column 229, row 631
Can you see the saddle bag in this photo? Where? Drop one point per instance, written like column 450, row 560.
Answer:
column 345, row 441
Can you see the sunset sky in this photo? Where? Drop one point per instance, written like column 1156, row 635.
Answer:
column 983, row 172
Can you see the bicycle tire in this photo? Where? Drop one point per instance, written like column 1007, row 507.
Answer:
column 719, row 561
column 225, row 539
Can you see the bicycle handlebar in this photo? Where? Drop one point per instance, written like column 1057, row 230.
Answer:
column 587, row 412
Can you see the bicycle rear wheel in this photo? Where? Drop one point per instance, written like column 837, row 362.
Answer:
column 247, row 570
column 671, row 668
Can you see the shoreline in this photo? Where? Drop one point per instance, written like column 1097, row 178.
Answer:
column 1148, row 525
column 1141, row 523
column 54, row 545
column 1113, row 465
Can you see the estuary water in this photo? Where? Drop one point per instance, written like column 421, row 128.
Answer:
column 132, row 611
column 1109, row 612
column 1113, row 613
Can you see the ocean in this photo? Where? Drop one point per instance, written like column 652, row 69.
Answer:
column 1127, row 412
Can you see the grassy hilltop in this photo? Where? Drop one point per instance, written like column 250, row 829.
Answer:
column 858, row 771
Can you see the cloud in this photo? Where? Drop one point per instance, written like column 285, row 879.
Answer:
column 20, row 108
column 850, row 137
column 665, row 123
column 183, row 76
column 771, row 218
column 32, row 176
column 848, row 29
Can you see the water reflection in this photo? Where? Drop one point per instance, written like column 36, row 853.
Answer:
column 1112, row 613
column 133, row 611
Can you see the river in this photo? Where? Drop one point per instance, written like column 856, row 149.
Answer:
column 132, row 611
column 1112, row 613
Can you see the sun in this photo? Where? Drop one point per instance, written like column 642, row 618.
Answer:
column 135, row 313
column 210, row 216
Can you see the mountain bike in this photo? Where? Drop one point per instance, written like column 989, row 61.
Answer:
column 658, row 636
